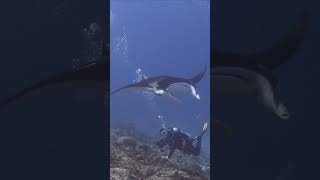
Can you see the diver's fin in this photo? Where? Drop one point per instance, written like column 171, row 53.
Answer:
column 204, row 129
column 199, row 76
column 205, row 126
column 172, row 97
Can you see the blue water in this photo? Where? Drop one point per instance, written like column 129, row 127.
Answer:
column 151, row 38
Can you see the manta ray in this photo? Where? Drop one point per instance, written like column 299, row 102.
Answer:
column 232, row 74
column 252, row 75
column 166, row 85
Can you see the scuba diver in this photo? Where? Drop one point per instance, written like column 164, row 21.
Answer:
column 177, row 139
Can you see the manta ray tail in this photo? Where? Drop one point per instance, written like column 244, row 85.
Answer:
column 199, row 76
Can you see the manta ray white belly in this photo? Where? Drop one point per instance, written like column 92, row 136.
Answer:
column 246, row 82
column 183, row 87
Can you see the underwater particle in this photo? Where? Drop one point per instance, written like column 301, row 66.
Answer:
column 139, row 75
column 121, row 45
column 163, row 123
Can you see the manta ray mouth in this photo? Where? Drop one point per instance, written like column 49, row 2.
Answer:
column 159, row 91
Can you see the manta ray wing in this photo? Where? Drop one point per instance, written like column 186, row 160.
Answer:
column 129, row 86
column 199, row 76
column 281, row 51
column 88, row 75
column 270, row 58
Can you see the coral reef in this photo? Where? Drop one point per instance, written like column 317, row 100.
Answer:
column 133, row 156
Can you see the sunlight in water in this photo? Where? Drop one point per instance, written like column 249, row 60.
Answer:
column 120, row 47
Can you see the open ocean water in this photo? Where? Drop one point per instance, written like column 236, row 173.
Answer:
column 151, row 38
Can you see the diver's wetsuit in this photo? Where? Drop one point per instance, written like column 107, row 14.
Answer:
column 177, row 139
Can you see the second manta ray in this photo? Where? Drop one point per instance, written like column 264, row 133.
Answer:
column 166, row 85
column 252, row 75
column 233, row 74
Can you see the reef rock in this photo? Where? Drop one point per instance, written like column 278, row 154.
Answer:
column 135, row 158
